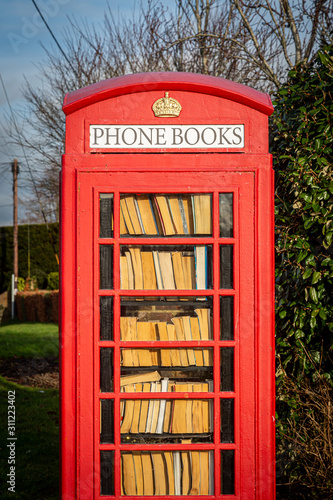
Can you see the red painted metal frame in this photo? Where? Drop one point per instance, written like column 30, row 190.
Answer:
column 250, row 177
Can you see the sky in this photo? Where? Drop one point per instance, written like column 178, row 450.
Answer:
column 22, row 32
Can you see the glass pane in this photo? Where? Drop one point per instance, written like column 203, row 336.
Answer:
column 227, row 369
column 166, row 268
column 106, row 215
column 106, row 377
column 226, row 215
column 227, row 258
column 227, row 318
column 167, row 473
column 106, row 421
column 106, row 267
column 107, row 472
column 227, row 420
column 228, row 472
column 166, row 420
column 166, row 214
column 106, row 318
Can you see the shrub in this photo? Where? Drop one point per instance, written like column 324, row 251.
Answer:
column 53, row 281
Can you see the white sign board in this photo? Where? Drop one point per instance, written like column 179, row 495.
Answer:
column 166, row 136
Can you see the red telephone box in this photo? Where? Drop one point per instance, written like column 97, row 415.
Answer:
column 167, row 312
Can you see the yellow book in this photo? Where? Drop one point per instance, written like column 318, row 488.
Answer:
column 174, row 353
column 166, row 268
column 178, row 271
column 123, row 228
column 156, row 410
column 155, row 353
column 168, row 409
column 136, row 411
column 187, row 204
column 188, row 336
column 138, row 472
column 131, row 207
column 128, row 333
column 144, row 409
column 148, row 476
column 130, row 271
column 163, row 335
column 168, row 456
column 137, row 267
column 178, row 425
column 195, row 473
column 189, row 412
column 128, row 413
column 166, row 217
column 202, row 213
column 139, row 378
column 128, row 470
column 148, row 270
column 186, row 476
column 181, row 336
column 147, row 214
column 205, row 333
column 197, row 411
column 189, row 272
column 159, row 473
column 143, row 333
column 126, row 215
column 205, row 410
column 124, row 283
column 195, row 332
column 176, row 213
column 204, row 473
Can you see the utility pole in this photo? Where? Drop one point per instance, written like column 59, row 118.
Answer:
column 15, row 170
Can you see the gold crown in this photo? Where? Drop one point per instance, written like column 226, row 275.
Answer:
column 166, row 106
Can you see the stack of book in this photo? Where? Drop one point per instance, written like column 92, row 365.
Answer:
column 167, row 215
column 182, row 328
column 163, row 270
column 165, row 416
column 167, row 473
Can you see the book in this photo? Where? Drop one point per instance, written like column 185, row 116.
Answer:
column 124, row 283
column 174, row 353
column 133, row 213
column 128, row 412
column 195, row 332
column 188, row 336
column 161, row 415
column 166, row 267
column 148, row 476
column 143, row 333
column 160, row 478
column 136, row 411
column 195, row 472
column 137, row 267
column 189, row 270
column 178, row 425
column 139, row 378
column 176, row 213
column 158, row 274
column 187, row 205
column 130, row 271
column 144, row 409
column 168, row 408
column 123, row 228
column 200, row 254
column 150, row 408
column 163, row 336
column 181, row 336
column 128, row 326
column 183, row 214
column 202, row 213
column 147, row 214
column 156, row 410
column 186, row 472
column 178, row 270
column 128, row 474
column 177, row 473
column 148, row 271
column 155, row 353
column 168, row 456
column 126, row 216
column 197, row 411
column 205, row 333
column 138, row 472
column 204, row 472
column 165, row 215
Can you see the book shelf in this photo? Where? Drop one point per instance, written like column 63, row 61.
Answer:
column 166, row 342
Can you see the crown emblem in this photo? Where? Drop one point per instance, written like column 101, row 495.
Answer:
column 166, row 107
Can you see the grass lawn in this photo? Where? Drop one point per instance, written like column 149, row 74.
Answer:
column 36, row 413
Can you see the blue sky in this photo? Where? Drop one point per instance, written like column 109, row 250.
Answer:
column 21, row 34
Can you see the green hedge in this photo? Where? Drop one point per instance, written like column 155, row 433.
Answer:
column 33, row 239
